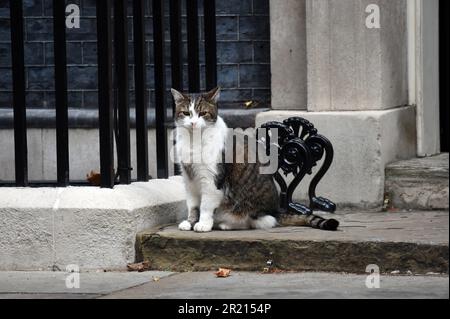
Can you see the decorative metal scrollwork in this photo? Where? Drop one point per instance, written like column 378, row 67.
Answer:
column 300, row 148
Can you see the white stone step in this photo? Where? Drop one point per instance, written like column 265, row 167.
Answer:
column 420, row 183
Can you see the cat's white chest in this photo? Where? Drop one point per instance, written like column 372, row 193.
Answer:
column 202, row 148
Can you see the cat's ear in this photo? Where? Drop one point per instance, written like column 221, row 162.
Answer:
column 213, row 95
column 178, row 96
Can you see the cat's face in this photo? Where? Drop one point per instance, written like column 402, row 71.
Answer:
column 196, row 111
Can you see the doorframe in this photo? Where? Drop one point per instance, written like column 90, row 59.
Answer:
column 423, row 72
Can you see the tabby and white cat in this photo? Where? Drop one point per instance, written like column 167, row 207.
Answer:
column 225, row 196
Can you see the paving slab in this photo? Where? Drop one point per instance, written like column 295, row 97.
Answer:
column 405, row 241
column 46, row 283
column 199, row 285
column 287, row 286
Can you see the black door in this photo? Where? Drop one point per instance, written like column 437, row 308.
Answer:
column 444, row 14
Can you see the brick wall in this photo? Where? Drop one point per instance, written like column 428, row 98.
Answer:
column 242, row 49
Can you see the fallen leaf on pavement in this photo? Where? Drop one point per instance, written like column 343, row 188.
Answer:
column 94, row 178
column 223, row 272
column 139, row 267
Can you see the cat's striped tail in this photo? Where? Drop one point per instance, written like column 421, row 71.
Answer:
column 313, row 221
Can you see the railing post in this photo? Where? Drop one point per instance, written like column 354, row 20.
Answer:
column 140, row 87
column 19, row 103
column 193, row 46
column 121, row 56
column 160, row 89
column 62, row 122
column 176, row 53
column 105, row 92
column 176, row 45
column 209, row 7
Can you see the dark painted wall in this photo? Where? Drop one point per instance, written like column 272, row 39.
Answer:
column 243, row 53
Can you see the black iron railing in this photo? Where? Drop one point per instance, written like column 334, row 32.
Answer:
column 113, row 104
column 19, row 104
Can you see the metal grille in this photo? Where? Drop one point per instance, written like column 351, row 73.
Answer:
column 114, row 122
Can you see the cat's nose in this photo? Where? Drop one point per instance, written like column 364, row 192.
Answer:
column 194, row 124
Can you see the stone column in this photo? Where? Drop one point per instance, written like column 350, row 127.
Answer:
column 288, row 54
column 426, row 57
column 353, row 67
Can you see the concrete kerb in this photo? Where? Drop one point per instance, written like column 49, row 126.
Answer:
column 94, row 228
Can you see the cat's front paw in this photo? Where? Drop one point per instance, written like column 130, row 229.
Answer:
column 185, row 226
column 203, row 227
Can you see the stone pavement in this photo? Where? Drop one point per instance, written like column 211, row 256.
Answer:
column 200, row 285
column 47, row 284
column 410, row 248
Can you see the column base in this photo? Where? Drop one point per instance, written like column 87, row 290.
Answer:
column 364, row 143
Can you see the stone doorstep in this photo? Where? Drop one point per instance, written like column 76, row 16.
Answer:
column 407, row 242
column 419, row 183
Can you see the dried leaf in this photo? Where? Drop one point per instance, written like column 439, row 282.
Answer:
column 139, row 267
column 250, row 104
column 94, row 178
column 156, row 278
column 223, row 272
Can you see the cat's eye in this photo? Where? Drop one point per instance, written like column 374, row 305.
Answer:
column 201, row 114
column 186, row 113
